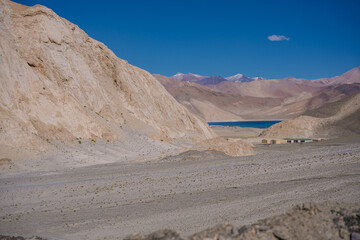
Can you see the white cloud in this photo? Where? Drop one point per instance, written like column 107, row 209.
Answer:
column 278, row 38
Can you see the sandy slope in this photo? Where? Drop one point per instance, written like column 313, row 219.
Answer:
column 339, row 118
column 57, row 83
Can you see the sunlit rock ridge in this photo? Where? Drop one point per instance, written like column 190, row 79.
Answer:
column 57, row 83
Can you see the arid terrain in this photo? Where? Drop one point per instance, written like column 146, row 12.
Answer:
column 59, row 84
column 92, row 147
column 187, row 192
column 340, row 118
column 310, row 221
column 271, row 99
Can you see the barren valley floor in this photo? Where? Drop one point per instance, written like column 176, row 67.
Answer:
column 186, row 193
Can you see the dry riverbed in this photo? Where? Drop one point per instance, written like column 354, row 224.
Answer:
column 187, row 193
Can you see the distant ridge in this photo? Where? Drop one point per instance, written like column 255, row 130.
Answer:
column 213, row 80
column 218, row 99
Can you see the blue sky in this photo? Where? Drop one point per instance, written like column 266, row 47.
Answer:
column 224, row 37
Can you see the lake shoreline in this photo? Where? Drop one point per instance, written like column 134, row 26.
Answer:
column 246, row 124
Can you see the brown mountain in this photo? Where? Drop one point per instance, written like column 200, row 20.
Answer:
column 275, row 88
column 287, row 87
column 214, row 105
column 340, row 118
column 349, row 77
column 263, row 99
column 332, row 94
column 212, row 80
column 57, row 83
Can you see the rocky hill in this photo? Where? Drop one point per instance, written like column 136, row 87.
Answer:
column 57, row 83
column 307, row 221
column 334, row 119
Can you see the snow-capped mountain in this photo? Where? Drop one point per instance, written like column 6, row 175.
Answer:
column 242, row 78
column 258, row 78
column 188, row 77
column 213, row 80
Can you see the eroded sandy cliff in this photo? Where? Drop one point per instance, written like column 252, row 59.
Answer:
column 57, row 83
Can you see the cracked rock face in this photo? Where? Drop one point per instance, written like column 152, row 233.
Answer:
column 57, row 83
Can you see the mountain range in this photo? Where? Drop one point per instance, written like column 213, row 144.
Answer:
column 242, row 78
column 210, row 80
column 217, row 99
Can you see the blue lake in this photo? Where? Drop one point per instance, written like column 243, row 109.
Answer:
column 253, row 124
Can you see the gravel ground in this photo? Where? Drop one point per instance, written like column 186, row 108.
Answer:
column 309, row 221
column 187, row 193
column 236, row 132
